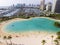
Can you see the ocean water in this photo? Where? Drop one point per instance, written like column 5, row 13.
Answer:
column 35, row 24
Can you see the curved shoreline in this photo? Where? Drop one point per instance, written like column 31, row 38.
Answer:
column 34, row 36
column 19, row 19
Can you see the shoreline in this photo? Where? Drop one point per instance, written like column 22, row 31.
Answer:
column 20, row 19
column 32, row 37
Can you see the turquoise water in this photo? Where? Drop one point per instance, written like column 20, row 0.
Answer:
column 35, row 24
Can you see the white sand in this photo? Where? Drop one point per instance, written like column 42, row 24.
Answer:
column 33, row 38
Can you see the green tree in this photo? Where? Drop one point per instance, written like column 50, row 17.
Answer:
column 52, row 39
column 57, row 24
column 58, row 35
column 9, row 37
column 56, row 42
column 5, row 38
column 43, row 42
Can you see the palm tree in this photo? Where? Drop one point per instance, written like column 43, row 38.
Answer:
column 58, row 33
column 9, row 37
column 56, row 41
column 52, row 39
column 5, row 39
column 58, row 36
column 43, row 42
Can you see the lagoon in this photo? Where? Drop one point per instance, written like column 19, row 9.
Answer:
column 34, row 24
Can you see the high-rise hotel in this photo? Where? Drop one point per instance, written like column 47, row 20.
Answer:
column 56, row 6
column 42, row 4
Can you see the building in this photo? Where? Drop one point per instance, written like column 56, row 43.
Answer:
column 20, row 5
column 42, row 5
column 49, row 6
column 56, row 6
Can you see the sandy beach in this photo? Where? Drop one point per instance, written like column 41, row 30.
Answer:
column 26, row 38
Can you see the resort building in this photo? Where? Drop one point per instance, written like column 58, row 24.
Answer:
column 49, row 6
column 42, row 5
column 56, row 6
